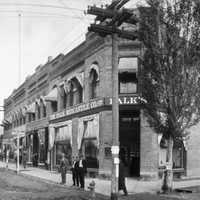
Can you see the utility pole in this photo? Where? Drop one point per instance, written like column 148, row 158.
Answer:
column 115, row 17
column 17, row 153
column 19, row 79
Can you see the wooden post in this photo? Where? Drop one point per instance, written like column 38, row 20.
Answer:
column 115, row 119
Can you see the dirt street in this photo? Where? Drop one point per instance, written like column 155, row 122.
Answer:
column 20, row 187
column 23, row 187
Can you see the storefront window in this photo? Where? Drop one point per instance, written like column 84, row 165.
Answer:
column 91, row 153
column 42, row 152
column 63, row 142
column 63, row 147
column 178, row 155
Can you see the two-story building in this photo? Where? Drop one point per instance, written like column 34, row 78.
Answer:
column 66, row 107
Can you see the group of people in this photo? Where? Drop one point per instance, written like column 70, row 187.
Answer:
column 78, row 168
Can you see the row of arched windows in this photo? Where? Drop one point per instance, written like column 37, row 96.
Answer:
column 36, row 110
column 71, row 93
column 68, row 95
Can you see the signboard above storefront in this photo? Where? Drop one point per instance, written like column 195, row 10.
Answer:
column 79, row 108
column 97, row 103
column 127, row 100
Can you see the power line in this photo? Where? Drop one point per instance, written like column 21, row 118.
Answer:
column 83, row 19
column 61, row 42
column 40, row 5
column 42, row 14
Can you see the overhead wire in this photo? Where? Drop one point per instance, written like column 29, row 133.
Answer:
column 42, row 14
column 68, row 34
column 48, row 14
column 67, row 49
column 40, row 5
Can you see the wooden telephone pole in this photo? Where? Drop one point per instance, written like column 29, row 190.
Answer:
column 110, row 19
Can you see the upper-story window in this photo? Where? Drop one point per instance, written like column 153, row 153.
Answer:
column 52, row 97
column 128, row 81
column 94, row 82
column 75, row 93
column 31, row 110
column 43, row 108
column 63, row 97
column 38, row 110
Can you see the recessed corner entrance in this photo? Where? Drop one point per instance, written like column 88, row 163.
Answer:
column 129, row 138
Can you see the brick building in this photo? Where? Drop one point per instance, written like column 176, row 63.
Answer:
column 65, row 106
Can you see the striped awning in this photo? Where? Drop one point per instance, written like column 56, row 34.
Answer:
column 31, row 108
column 52, row 96
column 128, row 64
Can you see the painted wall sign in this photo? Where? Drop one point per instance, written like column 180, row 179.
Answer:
column 79, row 108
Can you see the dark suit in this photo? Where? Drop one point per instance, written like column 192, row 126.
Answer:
column 82, row 169
column 76, row 171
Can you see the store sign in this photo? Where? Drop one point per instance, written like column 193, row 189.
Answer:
column 79, row 108
column 129, row 100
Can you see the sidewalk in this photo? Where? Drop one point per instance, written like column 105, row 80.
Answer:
column 102, row 186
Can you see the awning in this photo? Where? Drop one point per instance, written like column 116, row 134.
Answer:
column 43, row 100
column 31, row 108
column 80, row 77
column 126, row 64
column 88, row 128
column 52, row 96
column 24, row 109
column 5, row 122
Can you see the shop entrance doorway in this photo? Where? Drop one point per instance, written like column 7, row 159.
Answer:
column 35, row 149
column 129, row 138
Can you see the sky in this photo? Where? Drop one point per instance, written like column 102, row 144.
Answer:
column 45, row 28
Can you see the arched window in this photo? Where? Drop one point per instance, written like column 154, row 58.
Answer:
column 38, row 110
column 94, row 83
column 54, row 101
column 43, row 108
column 63, row 97
column 76, row 92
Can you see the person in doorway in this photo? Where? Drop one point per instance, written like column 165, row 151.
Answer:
column 122, row 184
column 64, row 165
column 82, row 170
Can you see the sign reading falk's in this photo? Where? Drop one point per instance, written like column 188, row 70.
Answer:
column 127, row 100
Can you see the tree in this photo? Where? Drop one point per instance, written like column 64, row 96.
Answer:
column 170, row 74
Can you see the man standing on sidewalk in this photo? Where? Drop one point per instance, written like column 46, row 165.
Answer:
column 82, row 169
column 64, row 165
column 73, row 171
